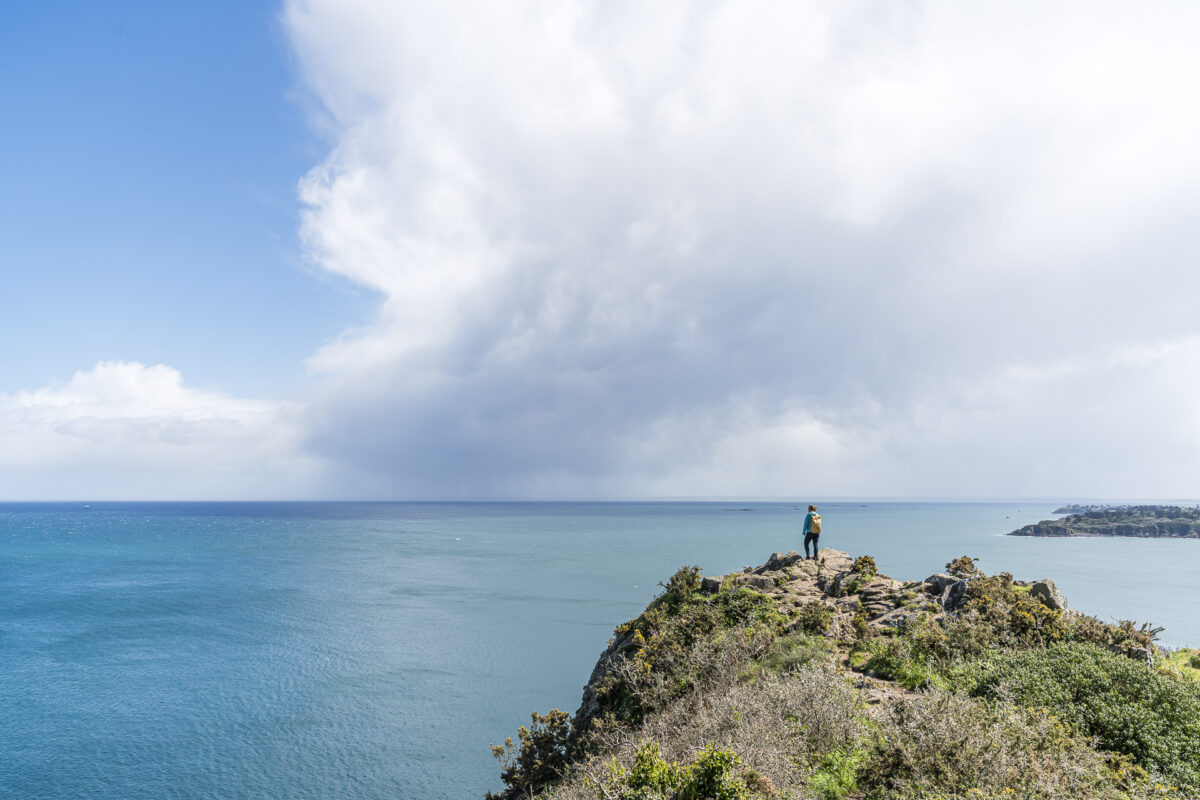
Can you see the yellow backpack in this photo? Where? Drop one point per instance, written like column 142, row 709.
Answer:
column 815, row 526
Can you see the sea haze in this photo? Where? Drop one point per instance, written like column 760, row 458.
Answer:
column 375, row 650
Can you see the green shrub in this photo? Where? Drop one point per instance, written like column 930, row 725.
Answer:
column 862, row 626
column 864, row 565
column 836, row 775
column 1194, row 661
column 964, row 636
column 540, row 759
column 943, row 745
column 744, row 605
column 916, row 655
column 962, row 566
column 679, row 640
column 897, row 658
column 682, row 586
column 1015, row 618
column 1125, row 636
column 1127, row 705
column 855, row 584
column 712, row 776
column 815, row 617
column 786, row 655
column 651, row 776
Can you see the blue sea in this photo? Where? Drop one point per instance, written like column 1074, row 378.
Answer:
column 364, row 650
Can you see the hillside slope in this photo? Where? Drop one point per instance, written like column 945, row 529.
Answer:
column 821, row 678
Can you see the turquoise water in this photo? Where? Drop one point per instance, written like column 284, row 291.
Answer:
column 374, row 650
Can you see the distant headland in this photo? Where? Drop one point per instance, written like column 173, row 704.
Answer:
column 1142, row 522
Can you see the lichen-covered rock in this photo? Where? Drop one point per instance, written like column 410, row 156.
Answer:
column 937, row 583
column 779, row 561
column 1048, row 593
column 759, row 583
column 896, row 618
column 953, row 595
column 712, row 584
column 848, row 604
column 834, row 560
column 836, row 585
column 879, row 588
column 804, row 568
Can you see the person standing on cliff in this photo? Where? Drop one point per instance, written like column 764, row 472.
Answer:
column 812, row 530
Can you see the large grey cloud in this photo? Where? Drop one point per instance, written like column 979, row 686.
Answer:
column 757, row 248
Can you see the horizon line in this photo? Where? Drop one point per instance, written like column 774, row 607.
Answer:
column 661, row 499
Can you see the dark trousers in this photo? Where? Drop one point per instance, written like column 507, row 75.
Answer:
column 811, row 537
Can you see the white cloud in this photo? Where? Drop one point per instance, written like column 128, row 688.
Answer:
column 128, row 431
column 629, row 248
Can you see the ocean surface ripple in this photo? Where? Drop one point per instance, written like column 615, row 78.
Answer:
column 374, row 650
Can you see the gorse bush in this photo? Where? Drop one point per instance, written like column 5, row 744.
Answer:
column 962, row 566
column 681, row 587
column 1127, row 705
column 1014, row 618
column 814, row 617
column 1124, row 637
column 713, row 775
column 781, row 727
column 836, row 774
column 861, row 626
column 899, row 659
column 785, row 655
column 540, row 758
column 680, row 640
column 941, row 744
column 650, row 778
column 864, row 565
column 862, row 571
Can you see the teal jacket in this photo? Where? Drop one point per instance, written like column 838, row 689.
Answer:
column 808, row 522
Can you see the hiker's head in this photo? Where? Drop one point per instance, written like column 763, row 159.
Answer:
column 812, row 508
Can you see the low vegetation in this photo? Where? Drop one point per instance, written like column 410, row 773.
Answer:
column 836, row 684
column 1124, row 705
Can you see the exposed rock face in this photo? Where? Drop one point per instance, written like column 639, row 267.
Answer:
column 759, row 583
column 939, row 582
column 952, row 596
column 834, row 560
column 1049, row 594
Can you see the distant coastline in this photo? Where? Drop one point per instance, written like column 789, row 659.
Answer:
column 1139, row 522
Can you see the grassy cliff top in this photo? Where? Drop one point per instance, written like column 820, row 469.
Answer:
column 824, row 679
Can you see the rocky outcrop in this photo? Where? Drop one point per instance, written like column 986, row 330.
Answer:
column 793, row 581
column 1049, row 594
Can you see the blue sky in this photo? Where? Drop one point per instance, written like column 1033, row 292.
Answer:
column 370, row 249
column 151, row 153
